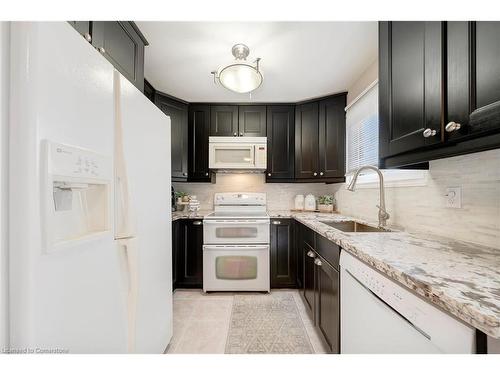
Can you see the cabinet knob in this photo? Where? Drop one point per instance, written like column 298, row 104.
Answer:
column 318, row 262
column 206, row 174
column 452, row 126
column 429, row 133
column 235, row 134
column 87, row 37
column 241, row 134
column 102, row 50
column 321, row 173
column 310, row 254
column 269, row 174
column 315, row 174
column 184, row 174
column 276, row 222
column 197, row 222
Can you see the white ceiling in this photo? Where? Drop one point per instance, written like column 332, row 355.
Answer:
column 300, row 60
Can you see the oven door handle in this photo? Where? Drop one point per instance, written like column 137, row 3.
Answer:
column 232, row 247
column 237, row 222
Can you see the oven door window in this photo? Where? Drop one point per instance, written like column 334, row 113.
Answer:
column 236, row 232
column 236, row 267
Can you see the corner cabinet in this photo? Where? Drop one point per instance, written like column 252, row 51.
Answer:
column 439, row 90
column 320, row 140
column 198, row 133
column 280, row 143
column 283, row 256
column 178, row 113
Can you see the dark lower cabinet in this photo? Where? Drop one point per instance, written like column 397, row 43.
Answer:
column 280, row 143
column 252, row 121
column 198, row 133
column 187, row 250
column 283, row 254
column 321, row 283
column 178, row 113
column 328, row 303
column 122, row 44
column 224, row 120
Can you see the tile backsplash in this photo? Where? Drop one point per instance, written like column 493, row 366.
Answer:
column 280, row 196
column 423, row 208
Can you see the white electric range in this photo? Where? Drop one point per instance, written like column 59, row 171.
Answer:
column 236, row 244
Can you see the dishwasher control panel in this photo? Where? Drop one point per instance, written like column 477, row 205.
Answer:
column 431, row 322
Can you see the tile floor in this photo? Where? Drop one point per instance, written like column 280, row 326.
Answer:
column 201, row 322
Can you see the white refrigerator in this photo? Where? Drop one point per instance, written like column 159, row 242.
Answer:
column 89, row 202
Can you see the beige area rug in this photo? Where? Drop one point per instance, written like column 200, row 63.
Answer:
column 268, row 323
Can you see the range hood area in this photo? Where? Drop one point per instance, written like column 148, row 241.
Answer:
column 237, row 154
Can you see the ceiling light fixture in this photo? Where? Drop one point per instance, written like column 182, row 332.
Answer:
column 240, row 76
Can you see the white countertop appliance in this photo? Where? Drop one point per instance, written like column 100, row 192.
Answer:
column 237, row 153
column 236, row 244
column 90, row 261
column 378, row 315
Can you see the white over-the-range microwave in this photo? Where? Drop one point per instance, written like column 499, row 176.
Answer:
column 247, row 153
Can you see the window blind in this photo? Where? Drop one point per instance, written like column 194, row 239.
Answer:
column 362, row 131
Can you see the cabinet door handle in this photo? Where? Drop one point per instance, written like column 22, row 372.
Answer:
column 315, row 174
column 318, row 262
column 452, row 126
column 184, row 174
column 269, row 174
column 310, row 254
column 197, row 222
column 241, row 134
column 235, row 134
column 429, row 133
column 276, row 222
column 102, row 50
column 321, row 173
column 87, row 37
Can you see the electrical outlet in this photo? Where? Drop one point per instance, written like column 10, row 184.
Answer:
column 454, row 197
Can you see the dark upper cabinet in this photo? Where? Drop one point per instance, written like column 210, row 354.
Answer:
column 224, row 120
column 149, row 91
column 122, row 44
column 283, row 256
column 306, row 140
column 198, row 133
column 252, row 120
column 83, row 27
column 189, row 254
column 320, row 139
column 439, row 90
column 280, row 142
column 178, row 113
column 332, row 137
column 410, row 85
column 473, row 78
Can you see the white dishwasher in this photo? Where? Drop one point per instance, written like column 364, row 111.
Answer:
column 379, row 316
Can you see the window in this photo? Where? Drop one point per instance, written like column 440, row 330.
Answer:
column 362, row 144
column 362, row 130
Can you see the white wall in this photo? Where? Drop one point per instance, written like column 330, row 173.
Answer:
column 4, row 122
column 422, row 208
column 279, row 196
column 365, row 79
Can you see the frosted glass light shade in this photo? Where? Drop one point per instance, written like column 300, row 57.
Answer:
column 240, row 77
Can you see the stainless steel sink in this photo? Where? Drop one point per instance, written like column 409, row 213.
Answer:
column 353, row 226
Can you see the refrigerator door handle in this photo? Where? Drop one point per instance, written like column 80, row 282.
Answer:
column 129, row 246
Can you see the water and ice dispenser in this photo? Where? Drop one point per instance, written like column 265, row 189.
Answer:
column 77, row 195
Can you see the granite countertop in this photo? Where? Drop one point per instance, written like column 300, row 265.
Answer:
column 461, row 278
column 176, row 215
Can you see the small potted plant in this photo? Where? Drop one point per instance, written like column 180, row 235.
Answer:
column 325, row 203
